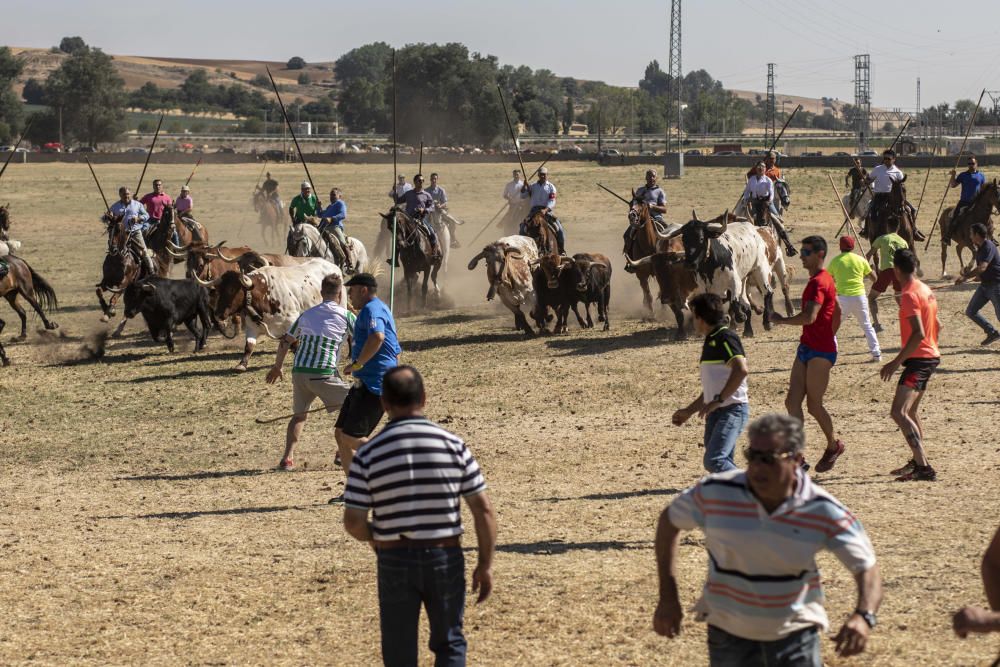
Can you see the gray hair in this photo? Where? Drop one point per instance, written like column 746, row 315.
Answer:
column 782, row 425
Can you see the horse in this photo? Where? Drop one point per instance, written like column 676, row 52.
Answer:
column 307, row 241
column 413, row 249
column 641, row 241
column 7, row 244
column 896, row 208
column 269, row 215
column 443, row 237
column 538, row 228
column 858, row 209
column 23, row 281
column 383, row 243
column 122, row 266
column 160, row 237
column 980, row 211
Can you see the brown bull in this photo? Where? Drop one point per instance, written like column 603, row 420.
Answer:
column 675, row 281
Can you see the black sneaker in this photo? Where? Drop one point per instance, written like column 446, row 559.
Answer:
column 919, row 474
column 878, row 328
column 991, row 338
column 905, row 470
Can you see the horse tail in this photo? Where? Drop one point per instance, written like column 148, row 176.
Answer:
column 43, row 292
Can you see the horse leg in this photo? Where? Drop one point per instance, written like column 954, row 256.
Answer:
column 38, row 309
column 944, row 260
column 3, row 353
column 423, row 286
column 105, row 308
column 647, row 296
column 120, row 328
column 12, row 300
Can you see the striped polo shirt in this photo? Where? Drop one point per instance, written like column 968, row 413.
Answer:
column 320, row 331
column 763, row 583
column 412, row 476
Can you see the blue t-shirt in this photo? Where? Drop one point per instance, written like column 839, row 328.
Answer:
column 375, row 317
column 337, row 212
column 988, row 253
column 970, row 185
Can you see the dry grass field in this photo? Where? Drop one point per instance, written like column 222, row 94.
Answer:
column 142, row 522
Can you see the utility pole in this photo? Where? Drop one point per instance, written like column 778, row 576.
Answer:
column 769, row 132
column 862, row 97
column 674, row 70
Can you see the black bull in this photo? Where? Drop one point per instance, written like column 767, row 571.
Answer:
column 164, row 303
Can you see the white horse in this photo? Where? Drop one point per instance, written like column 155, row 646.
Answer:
column 861, row 208
column 308, row 242
column 383, row 243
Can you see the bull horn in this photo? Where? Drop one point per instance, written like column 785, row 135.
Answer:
column 475, row 260
column 533, row 263
column 148, row 288
column 175, row 254
column 565, row 260
column 222, row 255
column 722, row 226
column 694, row 214
column 207, row 283
column 114, row 290
column 246, row 281
column 171, row 244
column 633, row 264
column 668, row 236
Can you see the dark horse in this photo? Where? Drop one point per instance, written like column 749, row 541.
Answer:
column 981, row 211
column 21, row 280
column 123, row 266
column 538, row 228
column 413, row 249
column 897, row 209
column 160, row 237
column 4, row 222
column 641, row 241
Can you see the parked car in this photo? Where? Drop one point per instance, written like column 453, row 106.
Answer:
column 841, row 154
column 226, row 149
column 812, row 154
column 136, row 149
column 868, row 153
column 923, row 154
column 725, row 153
column 570, row 150
column 84, row 149
column 693, row 151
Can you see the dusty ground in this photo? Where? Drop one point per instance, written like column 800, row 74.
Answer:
column 142, row 522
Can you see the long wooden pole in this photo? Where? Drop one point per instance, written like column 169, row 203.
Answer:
column 927, row 177
column 847, row 218
column 196, row 165
column 420, row 163
column 511, row 128
column 260, row 175
column 99, row 188
column 288, row 124
column 502, row 208
column 774, row 143
column 958, row 159
column 392, row 264
column 614, row 194
column 13, row 151
column 156, row 135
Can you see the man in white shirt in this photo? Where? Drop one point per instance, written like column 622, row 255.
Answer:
column 882, row 178
column 401, row 188
column 759, row 196
column 542, row 195
column 515, row 206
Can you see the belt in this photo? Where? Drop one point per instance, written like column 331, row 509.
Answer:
column 404, row 543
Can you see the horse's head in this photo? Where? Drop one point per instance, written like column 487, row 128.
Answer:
column 898, row 194
column 4, row 220
column 538, row 229
column 991, row 193
column 638, row 212
column 299, row 244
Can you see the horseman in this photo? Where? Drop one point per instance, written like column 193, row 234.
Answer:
column 882, row 178
column 543, row 198
column 400, row 189
column 305, row 204
column 271, row 195
column 156, row 202
column 440, row 213
column 652, row 194
column 331, row 226
column 134, row 218
column 971, row 180
column 759, row 196
column 184, row 204
column 418, row 204
column 773, row 171
column 855, row 180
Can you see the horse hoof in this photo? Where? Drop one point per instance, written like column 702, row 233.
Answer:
column 51, row 325
column 22, row 337
column 6, row 362
column 241, row 368
column 105, row 318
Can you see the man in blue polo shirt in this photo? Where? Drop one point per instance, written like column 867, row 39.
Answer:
column 971, row 180
column 374, row 352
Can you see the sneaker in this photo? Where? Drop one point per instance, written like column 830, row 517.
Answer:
column 905, row 470
column 805, row 466
column 992, row 338
column 286, row 464
column 876, row 359
column 830, row 458
column 336, row 500
column 919, row 474
column 878, row 328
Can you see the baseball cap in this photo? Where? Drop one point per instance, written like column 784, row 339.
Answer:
column 306, row 184
column 543, row 170
column 362, row 280
column 846, row 243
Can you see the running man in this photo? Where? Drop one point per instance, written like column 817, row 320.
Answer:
column 849, row 270
column 817, row 352
column 987, row 269
column 918, row 327
column 886, row 246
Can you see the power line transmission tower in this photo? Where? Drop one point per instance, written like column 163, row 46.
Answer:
column 995, row 98
column 674, row 72
column 769, row 133
column 862, row 97
column 917, row 111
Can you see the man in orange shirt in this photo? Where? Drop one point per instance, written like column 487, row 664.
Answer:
column 918, row 326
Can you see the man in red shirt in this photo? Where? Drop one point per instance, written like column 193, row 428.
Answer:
column 156, row 202
column 817, row 353
column 918, row 327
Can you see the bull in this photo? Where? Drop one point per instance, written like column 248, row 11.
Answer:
column 592, row 273
column 508, row 269
column 555, row 278
column 164, row 303
column 676, row 282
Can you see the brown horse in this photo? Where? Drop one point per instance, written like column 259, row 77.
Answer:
column 981, row 211
column 895, row 209
column 122, row 266
column 22, row 281
column 160, row 237
column 413, row 249
column 537, row 228
column 641, row 241
column 269, row 216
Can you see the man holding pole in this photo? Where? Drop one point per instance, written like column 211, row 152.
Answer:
column 542, row 195
column 418, row 205
column 156, row 202
column 440, row 213
column 759, row 195
column 303, row 205
column 882, row 178
column 134, row 217
column 971, row 181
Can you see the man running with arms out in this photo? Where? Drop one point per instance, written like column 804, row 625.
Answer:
column 886, row 246
column 987, row 269
column 762, row 598
column 849, row 270
column 723, row 401
column 374, row 352
column 319, row 333
column 918, row 327
column 971, row 181
column 817, row 353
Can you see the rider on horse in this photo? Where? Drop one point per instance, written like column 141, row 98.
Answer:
column 400, row 189
column 134, row 218
column 971, row 180
column 773, row 171
column 440, row 212
column 652, row 194
column 419, row 203
column 882, row 178
column 155, row 203
column 303, row 205
column 855, row 180
column 543, row 197
column 759, row 195
column 331, row 226
column 184, row 204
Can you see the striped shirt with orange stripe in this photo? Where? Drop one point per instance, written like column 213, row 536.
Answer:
column 763, row 583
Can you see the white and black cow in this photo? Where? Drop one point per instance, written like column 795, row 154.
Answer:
column 725, row 255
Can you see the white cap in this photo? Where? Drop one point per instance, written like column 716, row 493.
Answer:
column 306, row 184
column 543, row 170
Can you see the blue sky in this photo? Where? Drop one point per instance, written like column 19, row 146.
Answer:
column 810, row 41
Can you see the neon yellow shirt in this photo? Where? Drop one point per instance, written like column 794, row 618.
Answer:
column 849, row 270
column 887, row 245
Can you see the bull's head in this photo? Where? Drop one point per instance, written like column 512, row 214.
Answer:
column 551, row 266
column 696, row 236
column 230, row 293
column 136, row 295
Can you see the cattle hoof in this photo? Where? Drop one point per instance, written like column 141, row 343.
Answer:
column 6, row 362
column 241, row 368
column 607, row 326
column 22, row 337
column 105, row 318
column 51, row 325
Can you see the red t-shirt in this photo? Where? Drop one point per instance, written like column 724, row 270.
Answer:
column 819, row 335
column 155, row 204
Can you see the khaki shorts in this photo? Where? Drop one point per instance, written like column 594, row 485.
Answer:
column 307, row 387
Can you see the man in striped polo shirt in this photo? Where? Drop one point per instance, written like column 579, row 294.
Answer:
column 412, row 476
column 763, row 527
column 319, row 333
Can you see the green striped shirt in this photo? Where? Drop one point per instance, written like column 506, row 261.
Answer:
column 320, row 332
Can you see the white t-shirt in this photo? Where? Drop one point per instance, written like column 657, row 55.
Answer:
column 883, row 178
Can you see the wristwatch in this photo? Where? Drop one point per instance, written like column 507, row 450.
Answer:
column 868, row 616
column 717, row 398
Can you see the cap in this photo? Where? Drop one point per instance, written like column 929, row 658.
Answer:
column 846, row 243
column 543, row 170
column 185, row 188
column 306, row 184
column 363, row 280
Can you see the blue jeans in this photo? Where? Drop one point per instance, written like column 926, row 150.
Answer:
column 799, row 649
column 984, row 294
column 722, row 429
column 430, row 230
column 435, row 578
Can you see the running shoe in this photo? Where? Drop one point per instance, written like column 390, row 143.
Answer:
column 286, row 464
column 992, row 338
column 878, row 328
column 905, row 470
column 919, row 474
column 830, row 457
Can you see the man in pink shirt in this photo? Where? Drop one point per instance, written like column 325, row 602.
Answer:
column 156, row 202
column 184, row 203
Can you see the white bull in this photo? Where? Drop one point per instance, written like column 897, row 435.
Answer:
column 508, row 269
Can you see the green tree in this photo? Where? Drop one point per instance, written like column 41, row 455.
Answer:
column 11, row 110
column 365, row 80
column 34, row 91
column 295, row 63
column 72, row 45
column 304, row 79
column 569, row 115
column 44, row 127
column 91, row 95
column 260, row 81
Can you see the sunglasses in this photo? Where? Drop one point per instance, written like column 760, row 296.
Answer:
column 767, row 458
column 805, row 252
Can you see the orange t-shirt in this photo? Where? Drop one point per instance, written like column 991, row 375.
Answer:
column 918, row 299
column 774, row 173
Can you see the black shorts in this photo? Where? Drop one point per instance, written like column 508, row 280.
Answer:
column 360, row 413
column 916, row 373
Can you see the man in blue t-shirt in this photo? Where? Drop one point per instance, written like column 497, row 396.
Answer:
column 971, row 180
column 987, row 268
column 375, row 351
